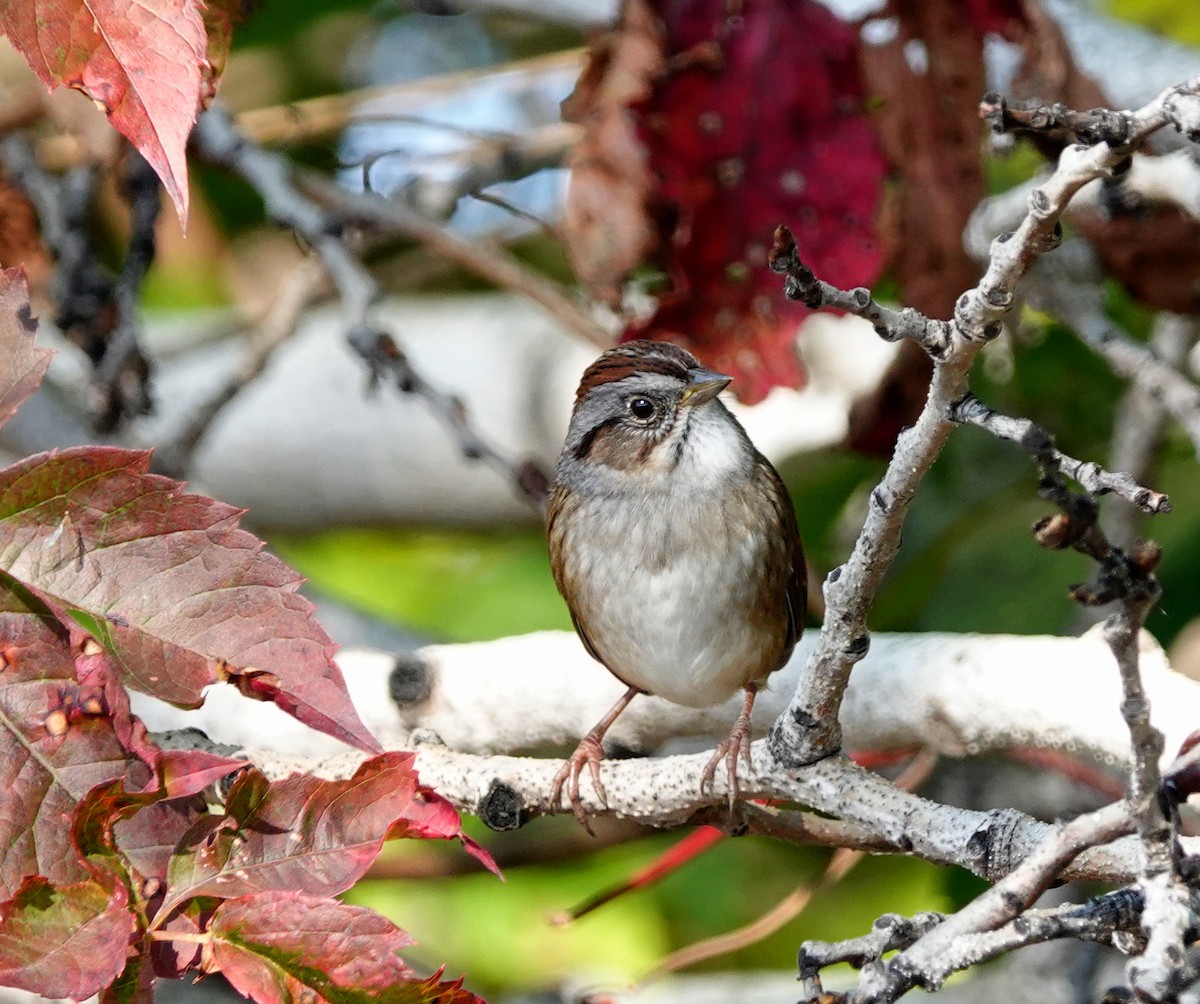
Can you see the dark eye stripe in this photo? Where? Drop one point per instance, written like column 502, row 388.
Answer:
column 589, row 437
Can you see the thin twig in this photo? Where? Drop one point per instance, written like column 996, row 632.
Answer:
column 217, row 140
column 297, row 290
column 316, row 118
column 1039, row 444
column 933, row 957
column 1141, row 418
column 843, row 859
column 484, row 258
column 1096, row 920
column 1056, row 121
column 1078, row 301
column 94, row 309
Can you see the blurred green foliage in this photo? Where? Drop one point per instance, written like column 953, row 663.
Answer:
column 502, row 937
column 457, row 585
column 1172, row 18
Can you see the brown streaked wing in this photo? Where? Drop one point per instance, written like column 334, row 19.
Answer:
column 797, row 580
column 560, row 501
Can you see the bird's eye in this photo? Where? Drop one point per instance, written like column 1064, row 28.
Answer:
column 641, row 408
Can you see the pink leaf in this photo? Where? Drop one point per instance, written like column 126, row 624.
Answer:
column 167, row 583
column 142, row 61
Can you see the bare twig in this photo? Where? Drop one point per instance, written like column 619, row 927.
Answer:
column 95, row 309
column 297, row 290
column 315, row 118
column 1096, row 920
column 1141, row 417
column 1056, row 121
column 839, row 865
column 809, row 729
column 122, row 374
column 1039, row 444
column 1078, row 301
column 944, row 949
column 484, row 258
column 216, row 139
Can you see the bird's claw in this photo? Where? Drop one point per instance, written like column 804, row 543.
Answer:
column 728, row 750
column 588, row 752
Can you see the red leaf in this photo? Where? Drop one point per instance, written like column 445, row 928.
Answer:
column 22, row 362
column 141, row 61
column 52, row 751
column 431, row 817
column 302, row 832
column 64, row 942
column 169, row 585
column 281, row 947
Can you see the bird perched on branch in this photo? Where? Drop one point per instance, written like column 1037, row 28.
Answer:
column 674, row 543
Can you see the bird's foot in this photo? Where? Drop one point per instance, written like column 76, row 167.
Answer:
column 729, row 750
column 588, row 753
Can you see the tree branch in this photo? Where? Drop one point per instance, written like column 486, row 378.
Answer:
column 216, row 139
column 809, row 729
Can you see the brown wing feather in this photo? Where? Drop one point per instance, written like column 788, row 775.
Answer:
column 796, row 584
column 560, row 500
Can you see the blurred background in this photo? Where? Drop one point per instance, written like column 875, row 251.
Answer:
column 539, row 231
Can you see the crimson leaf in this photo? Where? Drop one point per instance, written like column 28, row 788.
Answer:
column 53, row 747
column 306, row 833
column 281, row 947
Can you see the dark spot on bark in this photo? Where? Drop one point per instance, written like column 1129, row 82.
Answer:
column 502, row 808
column 409, row 681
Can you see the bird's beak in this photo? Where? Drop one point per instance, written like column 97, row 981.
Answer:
column 704, row 385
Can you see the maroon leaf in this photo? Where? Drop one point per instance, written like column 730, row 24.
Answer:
column 761, row 122
column 141, row 61
column 66, row 941
column 281, row 947
column 173, row 958
column 148, row 839
column 22, row 362
column 609, row 215
column 306, row 833
column 751, row 114
column 169, row 585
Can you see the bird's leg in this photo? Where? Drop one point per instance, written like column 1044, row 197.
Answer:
column 590, row 752
column 737, row 743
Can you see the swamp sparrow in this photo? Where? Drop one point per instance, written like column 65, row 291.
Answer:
column 674, row 543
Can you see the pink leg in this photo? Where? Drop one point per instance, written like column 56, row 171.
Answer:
column 729, row 749
column 589, row 752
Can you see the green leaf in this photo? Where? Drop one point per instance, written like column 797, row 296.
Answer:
column 66, row 941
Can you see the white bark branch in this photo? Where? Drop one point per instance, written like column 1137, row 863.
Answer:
column 956, row 694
